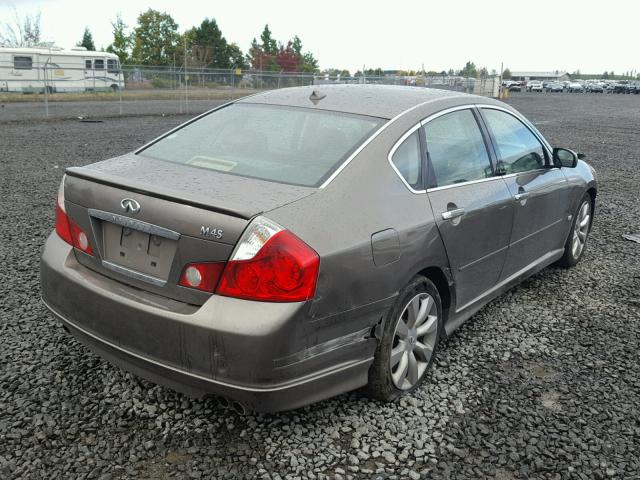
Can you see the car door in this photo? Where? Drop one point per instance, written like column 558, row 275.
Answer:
column 539, row 191
column 472, row 206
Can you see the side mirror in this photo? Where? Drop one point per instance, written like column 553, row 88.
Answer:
column 565, row 157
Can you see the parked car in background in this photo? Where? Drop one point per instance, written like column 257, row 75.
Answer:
column 534, row 86
column 575, row 87
column 621, row 87
column 208, row 259
column 555, row 87
column 515, row 87
column 594, row 88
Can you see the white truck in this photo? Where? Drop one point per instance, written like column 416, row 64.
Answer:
column 30, row 70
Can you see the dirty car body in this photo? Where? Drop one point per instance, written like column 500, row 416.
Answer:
column 153, row 261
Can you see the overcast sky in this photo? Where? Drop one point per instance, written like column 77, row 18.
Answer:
column 525, row 35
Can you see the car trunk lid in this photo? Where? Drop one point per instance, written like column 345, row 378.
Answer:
column 212, row 190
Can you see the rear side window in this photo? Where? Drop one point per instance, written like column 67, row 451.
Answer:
column 98, row 64
column 407, row 160
column 22, row 63
column 518, row 148
column 457, row 152
column 87, row 64
column 112, row 66
column 300, row 146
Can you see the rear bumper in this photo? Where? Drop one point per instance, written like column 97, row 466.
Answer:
column 267, row 356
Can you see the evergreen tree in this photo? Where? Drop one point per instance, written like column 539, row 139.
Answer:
column 87, row 40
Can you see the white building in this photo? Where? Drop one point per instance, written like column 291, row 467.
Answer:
column 556, row 76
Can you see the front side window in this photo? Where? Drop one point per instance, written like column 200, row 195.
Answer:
column 457, row 152
column 407, row 160
column 112, row 66
column 22, row 63
column 518, row 148
column 98, row 64
column 300, row 146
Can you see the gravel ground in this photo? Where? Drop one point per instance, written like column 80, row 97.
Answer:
column 542, row 383
column 19, row 111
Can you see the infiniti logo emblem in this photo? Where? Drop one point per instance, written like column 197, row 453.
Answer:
column 129, row 205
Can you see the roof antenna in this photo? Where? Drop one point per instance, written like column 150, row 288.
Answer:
column 316, row 96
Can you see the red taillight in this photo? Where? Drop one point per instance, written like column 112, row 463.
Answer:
column 62, row 225
column 67, row 229
column 201, row 276
column 285, row 269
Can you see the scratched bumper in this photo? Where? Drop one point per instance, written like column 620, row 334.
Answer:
column 267, row 356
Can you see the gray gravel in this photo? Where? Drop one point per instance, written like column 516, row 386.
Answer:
column 112, row 107
column 542, row 383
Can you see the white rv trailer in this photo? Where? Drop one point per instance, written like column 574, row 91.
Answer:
column 31, row 70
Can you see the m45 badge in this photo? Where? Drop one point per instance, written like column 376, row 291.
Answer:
column 211, row 232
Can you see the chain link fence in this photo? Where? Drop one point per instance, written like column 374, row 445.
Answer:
column 65, row 91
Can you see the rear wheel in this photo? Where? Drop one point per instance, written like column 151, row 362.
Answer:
column 577, row 241
column 409, row 342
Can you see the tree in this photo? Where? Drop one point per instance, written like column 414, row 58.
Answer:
column 122, row 41
column 23, row 32
column 87, row 40
column 484, row 73
column 296, row 44
column 287, row 58
column 506, row 74
column 469, row 70
column 259, row 59
column 283, row 57
column 334, row 72
column 269, row 45
column 236, row 57
column 213, row 47
column 308, row 63
column 155, row 38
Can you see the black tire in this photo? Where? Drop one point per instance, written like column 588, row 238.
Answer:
column 381, row 385
column 570, row 258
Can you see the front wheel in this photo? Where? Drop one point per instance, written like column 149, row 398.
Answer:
column 577, row 241
column 409, row 342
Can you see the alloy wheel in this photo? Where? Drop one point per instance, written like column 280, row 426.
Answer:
column 414, row 341
column 580, row 230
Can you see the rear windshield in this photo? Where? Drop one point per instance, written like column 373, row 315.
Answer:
column 299, row 146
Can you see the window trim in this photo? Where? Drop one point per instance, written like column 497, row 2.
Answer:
column 393, row 150
column 488, row 145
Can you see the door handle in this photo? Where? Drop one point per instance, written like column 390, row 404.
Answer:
column 521, row 196
column 451, row 214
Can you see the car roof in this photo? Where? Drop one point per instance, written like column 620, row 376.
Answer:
column 384, row 101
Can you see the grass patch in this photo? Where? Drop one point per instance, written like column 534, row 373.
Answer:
column 150, row 94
